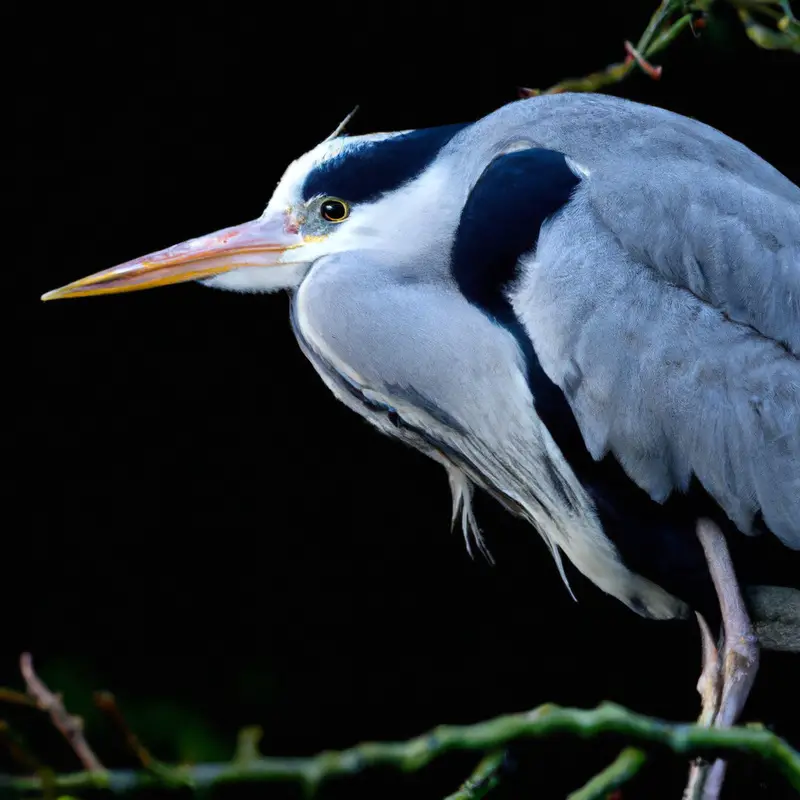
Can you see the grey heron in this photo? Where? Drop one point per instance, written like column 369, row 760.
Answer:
column 587, row 307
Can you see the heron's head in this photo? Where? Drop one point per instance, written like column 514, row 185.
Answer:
column 379, row 191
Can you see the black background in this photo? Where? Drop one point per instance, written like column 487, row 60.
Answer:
column 192, row 521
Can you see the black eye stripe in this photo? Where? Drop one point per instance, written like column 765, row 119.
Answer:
column 365, row 172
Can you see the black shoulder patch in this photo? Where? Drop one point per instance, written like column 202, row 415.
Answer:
column 502, row 219
column 367, row 170
column 500, row 222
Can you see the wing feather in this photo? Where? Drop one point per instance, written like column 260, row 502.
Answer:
column 665, row 301
column 707, row 229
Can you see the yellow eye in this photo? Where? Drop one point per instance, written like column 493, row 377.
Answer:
column 334, row 210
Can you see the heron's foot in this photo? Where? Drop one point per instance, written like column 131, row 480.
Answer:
column 727, row 676
column 698, row 778
column 739, row 655
column 710, row 688
column 739, row 667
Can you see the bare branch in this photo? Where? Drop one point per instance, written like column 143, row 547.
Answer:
column 107, row 703
column 70, row 726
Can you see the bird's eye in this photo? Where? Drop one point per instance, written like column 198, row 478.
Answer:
column 334, row 210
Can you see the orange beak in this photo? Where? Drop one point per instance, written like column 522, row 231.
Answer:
column 259, row 243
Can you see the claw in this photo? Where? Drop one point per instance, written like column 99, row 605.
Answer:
column 727, row 677
column 709, row 683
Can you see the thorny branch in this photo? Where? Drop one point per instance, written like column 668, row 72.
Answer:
column 70, row 727
column 770, row 24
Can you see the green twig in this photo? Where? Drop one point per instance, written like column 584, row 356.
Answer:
column 247, row 745
column 683, row 739
column 16, row 698
column 660, row 33
column 787, row 10
column 667, row 37
column 620, row 771
column 484, row 778
column 769, row 38
column 615, row 73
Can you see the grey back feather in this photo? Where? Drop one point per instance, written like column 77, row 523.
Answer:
column 665, row 301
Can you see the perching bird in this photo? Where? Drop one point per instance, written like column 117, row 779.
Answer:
column 587, row 307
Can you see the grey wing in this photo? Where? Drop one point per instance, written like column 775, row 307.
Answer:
column 665, row 301
column 729, row 240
